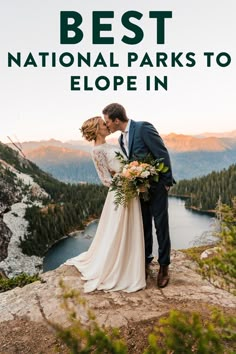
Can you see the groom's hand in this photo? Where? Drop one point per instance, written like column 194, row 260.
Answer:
column 142, row 189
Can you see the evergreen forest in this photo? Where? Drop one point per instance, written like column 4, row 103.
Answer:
column 204, row 193
column 72, row 206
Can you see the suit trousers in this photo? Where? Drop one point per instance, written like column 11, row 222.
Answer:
column 157, row 208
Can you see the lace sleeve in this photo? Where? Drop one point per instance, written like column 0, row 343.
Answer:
column 100, row 161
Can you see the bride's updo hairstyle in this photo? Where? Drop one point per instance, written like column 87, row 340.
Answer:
column 89, row 128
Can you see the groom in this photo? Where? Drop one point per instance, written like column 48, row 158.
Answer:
column 137, row 140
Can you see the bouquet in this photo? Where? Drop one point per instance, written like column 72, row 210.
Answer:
column 135, row 178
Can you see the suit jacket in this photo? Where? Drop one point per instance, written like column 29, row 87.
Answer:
column 143, row 140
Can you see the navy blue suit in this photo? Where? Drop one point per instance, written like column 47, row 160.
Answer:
column 144, row 139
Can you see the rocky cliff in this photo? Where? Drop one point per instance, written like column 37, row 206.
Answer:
column 5, row 237
column 17, row 191
column 37, row 210
column 25, row 310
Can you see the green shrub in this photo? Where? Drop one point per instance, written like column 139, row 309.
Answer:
column 178, row 333
column 184, row 333
column 86, row 336
column 221, row 268
column 20, row 280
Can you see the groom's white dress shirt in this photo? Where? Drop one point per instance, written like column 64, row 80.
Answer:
column 126, row 137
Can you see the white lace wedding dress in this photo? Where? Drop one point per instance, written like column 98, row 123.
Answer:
column 115, row 260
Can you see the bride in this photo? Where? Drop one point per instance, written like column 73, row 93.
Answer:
column 115, row 260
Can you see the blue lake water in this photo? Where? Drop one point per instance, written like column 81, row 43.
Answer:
column 186, row 227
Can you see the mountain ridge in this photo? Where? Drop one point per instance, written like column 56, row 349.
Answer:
column 175, row 142
column 229, row 134
column 191, row 156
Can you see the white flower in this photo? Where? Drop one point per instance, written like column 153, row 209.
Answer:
column 145, row 174
column 153, row 170
column 139, row 169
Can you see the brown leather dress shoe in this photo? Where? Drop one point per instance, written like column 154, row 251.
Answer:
column 163, row 276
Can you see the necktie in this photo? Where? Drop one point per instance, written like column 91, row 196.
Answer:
column 125, row 141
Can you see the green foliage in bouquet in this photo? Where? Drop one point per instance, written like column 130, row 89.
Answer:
column 135, row 178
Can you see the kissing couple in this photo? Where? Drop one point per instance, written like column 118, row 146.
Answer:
column 121, row 250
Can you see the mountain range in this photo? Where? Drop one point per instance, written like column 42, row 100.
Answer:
column 231, row 134
column 192, row 156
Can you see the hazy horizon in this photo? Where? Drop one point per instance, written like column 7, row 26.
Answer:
column 116, row 135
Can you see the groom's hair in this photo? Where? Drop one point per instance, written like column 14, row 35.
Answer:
column 116, row 110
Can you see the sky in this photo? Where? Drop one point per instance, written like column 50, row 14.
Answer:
column 37, row 102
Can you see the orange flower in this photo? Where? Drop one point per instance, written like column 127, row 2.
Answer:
column 127, row 174
column 134, row 163
column 144, row 165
